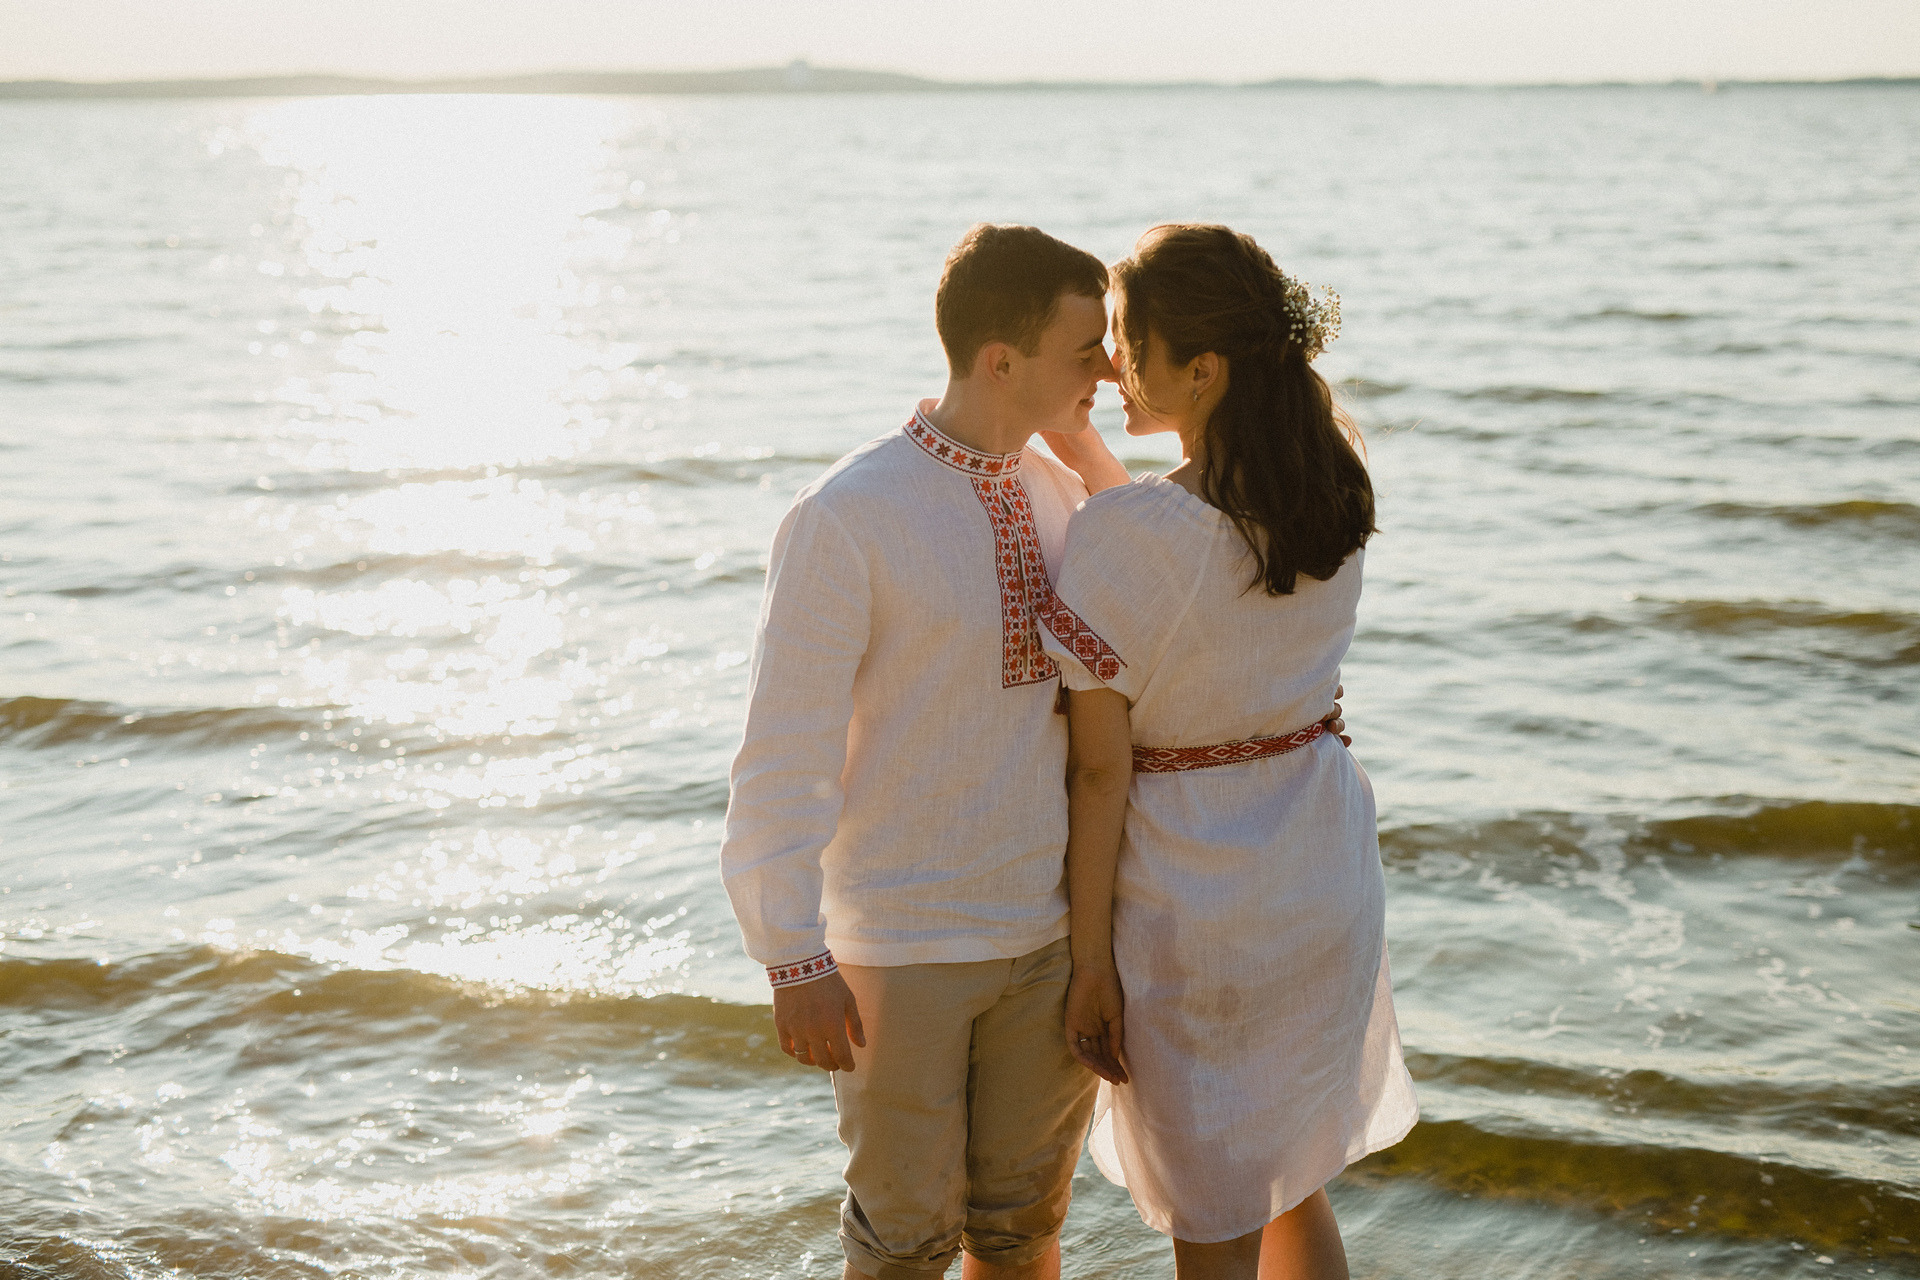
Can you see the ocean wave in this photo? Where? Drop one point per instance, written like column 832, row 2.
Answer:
column 38, row 377
column 183, row 578
column 34, row 723
column 1819, row 830
column 56, row 1239
column 1669, row 1169
column 689, row 470
column 324, row 574
column 1367, row 388
column 1727, row 617
column 266, row 1010
column 1634, row 313
column 1627, row 737
column 273, row 1007
column 481, row 1226
column 90, row 342
column 398, row 564
column 1667, row 1188
column 1815, row 1107
column 1864, row 515
column 640, row 578
column 1799, row 631
column 1896, row 448
column 703, row 797
column 694, row 472
column 1534, row 395
column 47, row 722
column 200, row 579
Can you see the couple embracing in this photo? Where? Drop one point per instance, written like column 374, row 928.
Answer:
column 1159, row 913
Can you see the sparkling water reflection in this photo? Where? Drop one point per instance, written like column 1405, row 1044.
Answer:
column 388, row 484
column 445, row 240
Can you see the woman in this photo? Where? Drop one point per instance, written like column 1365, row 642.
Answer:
column 1238, row 900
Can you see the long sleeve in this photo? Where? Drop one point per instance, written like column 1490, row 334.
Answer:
column 786, row 792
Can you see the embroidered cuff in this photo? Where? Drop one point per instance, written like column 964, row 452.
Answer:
column 800, row 971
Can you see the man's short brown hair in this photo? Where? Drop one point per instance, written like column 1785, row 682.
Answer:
column 1001, row 284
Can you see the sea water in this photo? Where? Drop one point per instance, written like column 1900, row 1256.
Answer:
column 385, row 488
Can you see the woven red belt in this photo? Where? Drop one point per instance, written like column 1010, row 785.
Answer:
column 1180, row 759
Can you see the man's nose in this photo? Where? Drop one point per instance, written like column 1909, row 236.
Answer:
column 1109, row 371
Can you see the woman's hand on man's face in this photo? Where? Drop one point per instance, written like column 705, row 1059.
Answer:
column 1088, row 455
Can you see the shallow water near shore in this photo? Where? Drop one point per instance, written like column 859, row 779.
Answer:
column 386, row 492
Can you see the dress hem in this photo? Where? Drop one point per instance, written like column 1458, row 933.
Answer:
column 1351, row 1159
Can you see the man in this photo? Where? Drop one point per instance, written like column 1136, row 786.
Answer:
column 894, row 843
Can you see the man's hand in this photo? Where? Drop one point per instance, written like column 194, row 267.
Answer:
column 1094, row 1034
column 815, row 1020
column 1086, row 452
column 1335, row 725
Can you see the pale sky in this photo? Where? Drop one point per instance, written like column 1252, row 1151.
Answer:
column 1455, row 41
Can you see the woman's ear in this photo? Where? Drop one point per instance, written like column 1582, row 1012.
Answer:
column 1202, row 373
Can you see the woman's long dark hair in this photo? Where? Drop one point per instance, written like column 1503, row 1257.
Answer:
column 1280, row 458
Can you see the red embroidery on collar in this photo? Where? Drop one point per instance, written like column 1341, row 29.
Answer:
column 1027, row 598
column 956, row 455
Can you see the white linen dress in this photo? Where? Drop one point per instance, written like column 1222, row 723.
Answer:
column 1248, row 918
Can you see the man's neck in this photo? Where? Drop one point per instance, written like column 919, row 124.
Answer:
column 963, row 414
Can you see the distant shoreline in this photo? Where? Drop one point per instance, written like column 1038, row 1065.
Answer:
column 797, row 78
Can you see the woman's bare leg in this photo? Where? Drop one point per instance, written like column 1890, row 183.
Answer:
column 1304, row 1243
column 1301, row 1244
column 1237, row 1259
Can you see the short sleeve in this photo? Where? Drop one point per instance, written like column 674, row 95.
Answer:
column 1128, row 577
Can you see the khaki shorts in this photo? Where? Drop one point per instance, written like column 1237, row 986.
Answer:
column 964, row 1117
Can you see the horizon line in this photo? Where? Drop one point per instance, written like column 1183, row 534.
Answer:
column 801, row 77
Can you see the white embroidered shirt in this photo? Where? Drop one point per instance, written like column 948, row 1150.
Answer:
column 899, row 795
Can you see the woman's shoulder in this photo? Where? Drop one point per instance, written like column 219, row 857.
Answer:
column 1147, row 531
column 1149, row 499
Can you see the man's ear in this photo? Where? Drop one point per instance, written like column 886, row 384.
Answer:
column 995, row 362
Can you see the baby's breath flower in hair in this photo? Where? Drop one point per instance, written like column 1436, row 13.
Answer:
column 1312, row 315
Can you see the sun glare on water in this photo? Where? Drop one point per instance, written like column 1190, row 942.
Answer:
column 440, row 253
column 450, row 233
column 443, row 248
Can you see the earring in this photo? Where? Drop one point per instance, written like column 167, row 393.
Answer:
column 1196, row 397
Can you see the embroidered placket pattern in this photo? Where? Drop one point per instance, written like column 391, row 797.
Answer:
column 1027, row 598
